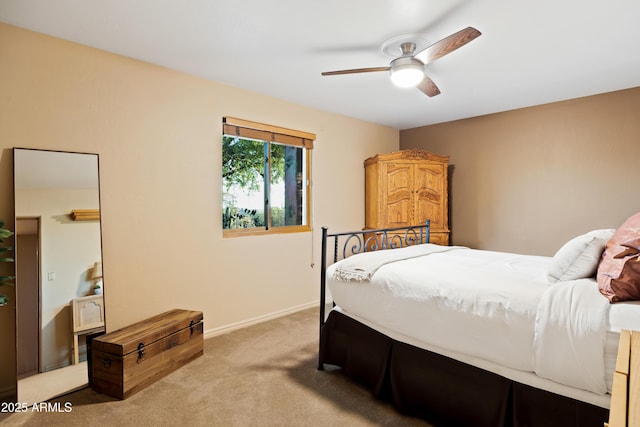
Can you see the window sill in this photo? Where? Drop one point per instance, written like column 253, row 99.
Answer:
column 261, row 232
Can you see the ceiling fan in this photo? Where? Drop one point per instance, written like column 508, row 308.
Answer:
column 408, row 69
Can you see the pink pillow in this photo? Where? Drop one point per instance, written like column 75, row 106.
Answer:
column 619, row 269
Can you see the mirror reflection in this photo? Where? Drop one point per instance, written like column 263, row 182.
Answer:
column 58, row 269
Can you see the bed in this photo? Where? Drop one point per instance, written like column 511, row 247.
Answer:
column 461, row 336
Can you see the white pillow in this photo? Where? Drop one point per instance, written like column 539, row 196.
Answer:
column 579, row 257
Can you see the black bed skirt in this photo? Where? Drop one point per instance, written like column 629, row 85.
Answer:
column 442, row 390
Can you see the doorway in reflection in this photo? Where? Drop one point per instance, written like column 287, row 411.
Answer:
column 28, row 294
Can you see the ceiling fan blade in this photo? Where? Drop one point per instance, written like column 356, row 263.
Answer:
column 447, row 45
column 356, row 70
column 428, row 87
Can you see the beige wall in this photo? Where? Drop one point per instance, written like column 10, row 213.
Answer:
column 158, row 135
column 528, row 180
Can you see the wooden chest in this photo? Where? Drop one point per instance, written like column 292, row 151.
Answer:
column 125, row 361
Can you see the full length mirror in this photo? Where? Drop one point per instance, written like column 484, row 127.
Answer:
column 58, row 269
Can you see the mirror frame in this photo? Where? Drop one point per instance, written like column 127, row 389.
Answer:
column 86, row 278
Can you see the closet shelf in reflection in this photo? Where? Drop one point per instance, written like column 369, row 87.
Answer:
column 85, row 214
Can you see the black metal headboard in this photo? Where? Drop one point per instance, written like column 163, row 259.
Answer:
column 355, row 242
column 373, row 240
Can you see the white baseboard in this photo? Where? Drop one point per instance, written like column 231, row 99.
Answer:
column 210, row 333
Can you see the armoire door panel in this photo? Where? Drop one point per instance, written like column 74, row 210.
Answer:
column 398, row 214
column 399, row 178
column 398, row 195
column 429, row 206
column 428, row 176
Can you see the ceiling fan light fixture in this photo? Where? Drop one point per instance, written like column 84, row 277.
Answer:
column 406, row 72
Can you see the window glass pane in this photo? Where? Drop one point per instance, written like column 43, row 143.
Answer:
column 243, row 183
column 287, row 195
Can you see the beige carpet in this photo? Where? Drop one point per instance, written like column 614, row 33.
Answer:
column 263, row 375
column 37, row 388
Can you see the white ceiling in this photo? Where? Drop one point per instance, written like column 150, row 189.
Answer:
column 531, row 51
column 41, row 169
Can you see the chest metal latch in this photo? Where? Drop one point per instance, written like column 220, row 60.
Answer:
column 140, row 352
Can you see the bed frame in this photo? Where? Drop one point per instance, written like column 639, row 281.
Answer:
column 355, row 242
column 442, row 390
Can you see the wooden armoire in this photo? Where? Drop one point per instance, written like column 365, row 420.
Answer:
column 406, row 188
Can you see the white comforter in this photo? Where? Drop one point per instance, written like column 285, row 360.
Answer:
column 571, row 323
column 489, row 305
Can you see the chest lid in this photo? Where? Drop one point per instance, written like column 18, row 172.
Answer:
column 128, row 339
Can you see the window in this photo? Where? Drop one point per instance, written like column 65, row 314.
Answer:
column 265, row 178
